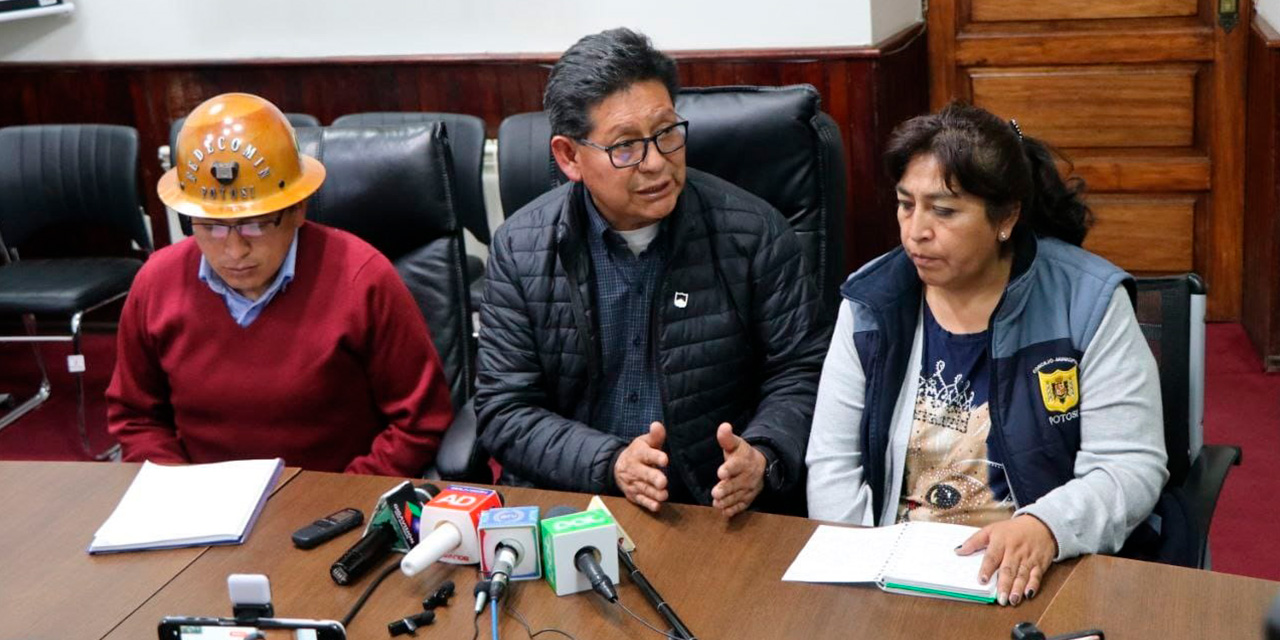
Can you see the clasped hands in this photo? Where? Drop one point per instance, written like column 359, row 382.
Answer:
column 638, row 471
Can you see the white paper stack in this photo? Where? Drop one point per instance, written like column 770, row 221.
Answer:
column 190, row 505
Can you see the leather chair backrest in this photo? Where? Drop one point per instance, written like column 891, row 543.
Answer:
column 1163, row 309
column 393, row 187
column 772, row 141
column 69, row 174
column 466, row 142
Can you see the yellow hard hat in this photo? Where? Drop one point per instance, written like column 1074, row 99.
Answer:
column 237, row 157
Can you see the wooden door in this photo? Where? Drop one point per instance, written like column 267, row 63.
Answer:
column 1146, row 97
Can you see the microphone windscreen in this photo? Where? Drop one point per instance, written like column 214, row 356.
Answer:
column 431, row 489
column 561, row 510
column 502, row 500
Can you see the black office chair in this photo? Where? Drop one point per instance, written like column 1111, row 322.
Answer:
column 164, row 153
column 393, row 187
column 57, row 176
column 466, row 144
column 772, row 141
column 1170, row 312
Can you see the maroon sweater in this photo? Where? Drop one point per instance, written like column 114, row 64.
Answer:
column 338, row 373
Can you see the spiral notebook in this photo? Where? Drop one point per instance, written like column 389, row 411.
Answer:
column 188, row 505
column 915, row 558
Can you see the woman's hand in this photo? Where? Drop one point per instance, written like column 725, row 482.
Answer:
column 1019, row 552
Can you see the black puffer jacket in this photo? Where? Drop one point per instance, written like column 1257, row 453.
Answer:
column 745, row 348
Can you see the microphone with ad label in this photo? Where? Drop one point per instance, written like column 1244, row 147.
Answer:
column 448, row 531
column 392, row 527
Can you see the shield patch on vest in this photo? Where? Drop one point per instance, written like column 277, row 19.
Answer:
column 1060, row 389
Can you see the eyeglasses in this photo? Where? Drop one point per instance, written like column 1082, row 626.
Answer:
column 630, row 153
column 253, row 229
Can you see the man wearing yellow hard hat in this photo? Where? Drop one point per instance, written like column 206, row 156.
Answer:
column 265, row 335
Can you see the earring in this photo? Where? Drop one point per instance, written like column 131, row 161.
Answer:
column 1003, row 236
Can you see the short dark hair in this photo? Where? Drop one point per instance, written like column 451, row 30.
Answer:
column 596, row 67
column 987, row 157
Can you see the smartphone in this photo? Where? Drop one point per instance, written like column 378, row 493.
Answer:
column 187, row 628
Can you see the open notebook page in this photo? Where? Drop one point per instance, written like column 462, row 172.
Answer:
column 844, row 554
column 926, row 556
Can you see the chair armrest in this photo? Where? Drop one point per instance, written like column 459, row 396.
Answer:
column 460, row 457
column 1205, row 479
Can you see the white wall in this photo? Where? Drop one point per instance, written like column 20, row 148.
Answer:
column 888, row 17
column 151, row 30
column 1269, row 10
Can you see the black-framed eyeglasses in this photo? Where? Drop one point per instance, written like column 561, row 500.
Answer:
column 253, row 229
column 630, row 153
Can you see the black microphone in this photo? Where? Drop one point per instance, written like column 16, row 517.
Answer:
column 1029, row 631
column 651, row 594
column 388, row 526
column 587, row 561
column 1273, row 620
column 369, row 551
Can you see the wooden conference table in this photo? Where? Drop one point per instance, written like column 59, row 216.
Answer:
column 723, row 578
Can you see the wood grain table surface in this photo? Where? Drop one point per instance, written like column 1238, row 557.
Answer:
column 723, row 578
column 50, row 587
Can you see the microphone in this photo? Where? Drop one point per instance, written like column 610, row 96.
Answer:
column 1029, row 631
column 571, row 544
column 482, row 595
column 452, row 518
column 508, row 547
column 625, row 547
column 586, row 562
column 1273, row 620
column 393, row 526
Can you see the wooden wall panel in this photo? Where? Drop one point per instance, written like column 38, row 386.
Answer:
column 1260, row 312
column 1125, row 170
column 1146, row 234
column 1175, row 42
column 1012, row 10
column 1145, row 97
column 867, row 90
column 1101, row 106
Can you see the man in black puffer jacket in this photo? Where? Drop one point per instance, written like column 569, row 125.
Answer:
column 646, row 330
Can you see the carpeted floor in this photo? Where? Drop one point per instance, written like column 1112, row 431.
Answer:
column 1242, row 407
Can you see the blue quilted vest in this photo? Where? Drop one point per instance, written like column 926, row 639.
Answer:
column 1051, row 308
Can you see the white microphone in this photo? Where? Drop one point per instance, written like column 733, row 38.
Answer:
column 448, row 528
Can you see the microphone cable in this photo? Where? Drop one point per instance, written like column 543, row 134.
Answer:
column 511, row 608
column 493, row 618
column 368, row 591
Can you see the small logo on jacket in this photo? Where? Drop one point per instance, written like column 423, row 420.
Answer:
column 1059, row 389
column 681, row 300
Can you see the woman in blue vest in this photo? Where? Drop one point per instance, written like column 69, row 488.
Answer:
column 989, row 371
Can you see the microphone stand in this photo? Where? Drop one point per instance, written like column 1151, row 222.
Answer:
column 651, row 594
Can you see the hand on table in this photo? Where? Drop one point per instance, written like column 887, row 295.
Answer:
column 638, row 470
column 741, row 475
column 1018, row 553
